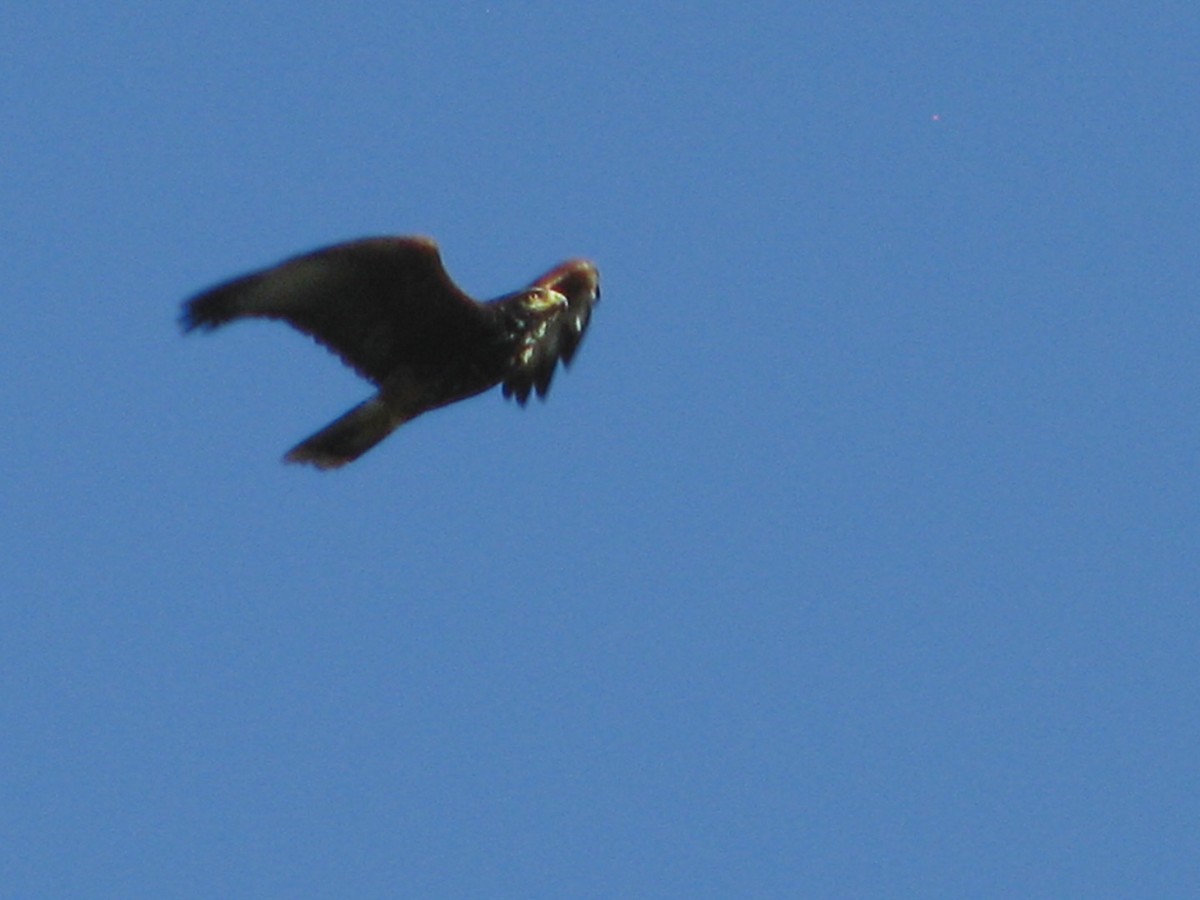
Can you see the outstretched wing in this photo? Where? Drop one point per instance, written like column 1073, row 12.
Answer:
column 377, row 303
column 557, row 337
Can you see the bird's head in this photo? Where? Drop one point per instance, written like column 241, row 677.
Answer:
column 528, row 313
column 538, row 303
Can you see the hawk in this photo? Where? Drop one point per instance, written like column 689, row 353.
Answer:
column 387, row 307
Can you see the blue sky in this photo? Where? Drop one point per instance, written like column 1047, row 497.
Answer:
column 855, row 556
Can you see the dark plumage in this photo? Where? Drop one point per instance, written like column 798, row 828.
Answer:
column 387, row 307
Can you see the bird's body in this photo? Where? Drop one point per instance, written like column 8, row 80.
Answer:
column 387, row 307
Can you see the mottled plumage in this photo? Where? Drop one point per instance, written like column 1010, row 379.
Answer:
column 387, row 307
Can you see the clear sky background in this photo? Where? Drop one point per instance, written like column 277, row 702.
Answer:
column 857, row 555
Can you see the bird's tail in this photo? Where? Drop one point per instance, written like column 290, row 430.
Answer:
column 347, row 438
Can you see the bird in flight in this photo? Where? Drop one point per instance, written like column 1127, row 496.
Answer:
column 387, row 307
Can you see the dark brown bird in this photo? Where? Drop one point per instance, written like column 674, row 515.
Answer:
column 388, row 309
